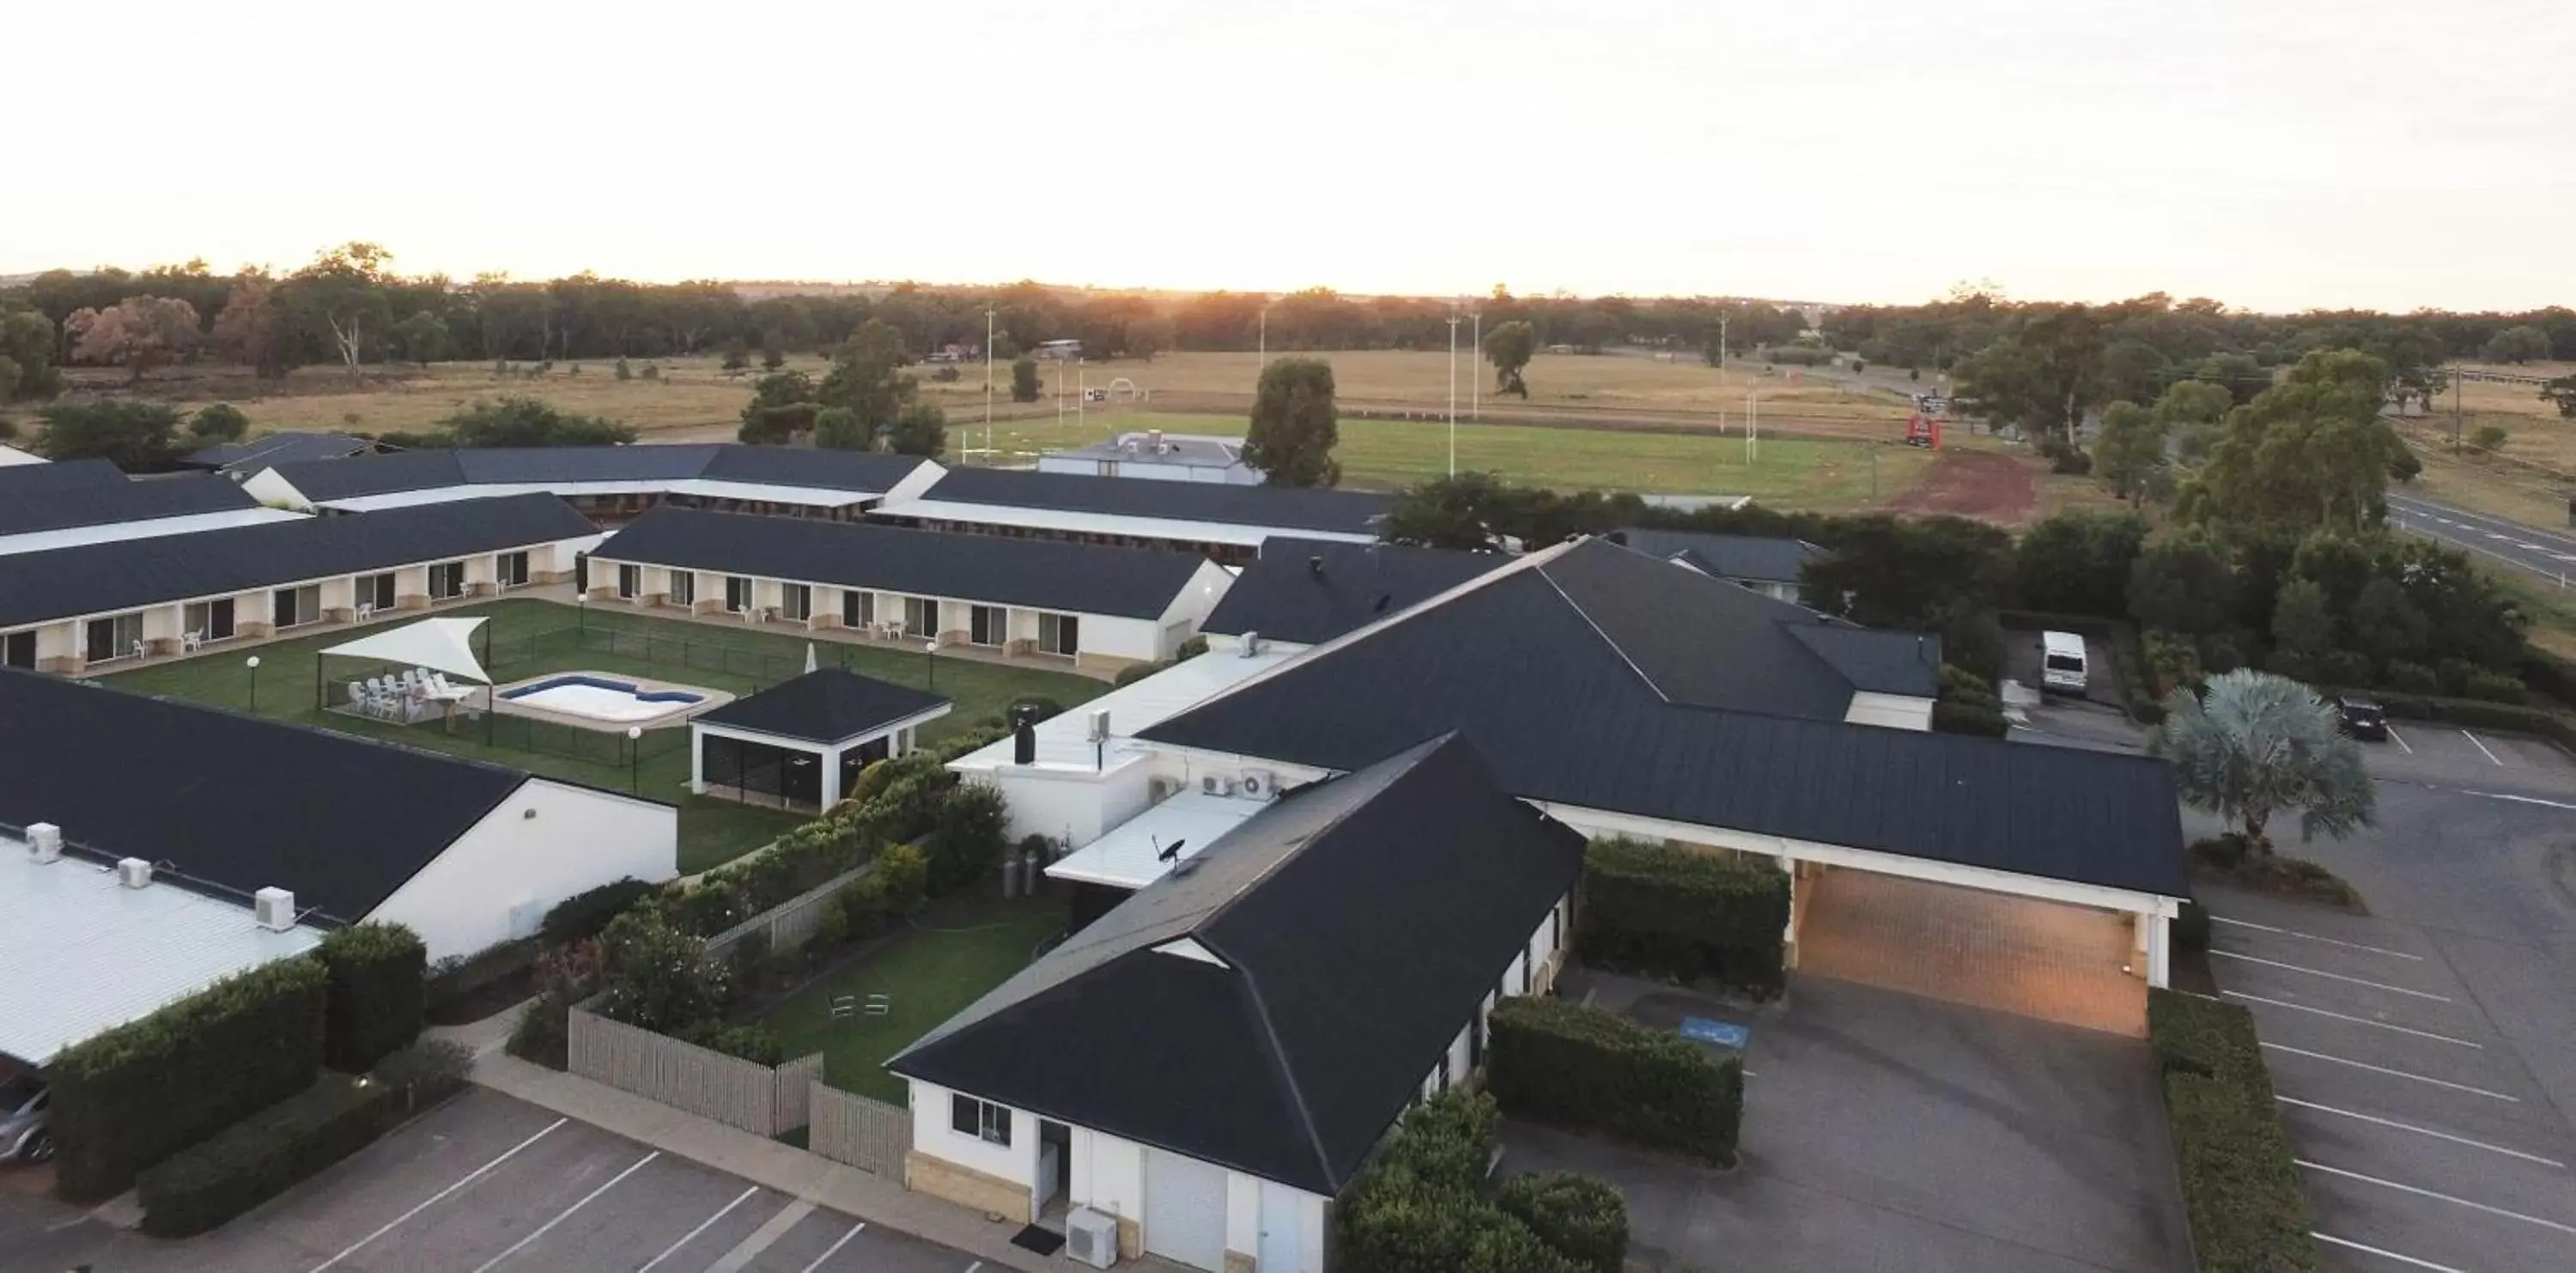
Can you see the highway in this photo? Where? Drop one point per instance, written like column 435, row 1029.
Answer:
column 2548, row 554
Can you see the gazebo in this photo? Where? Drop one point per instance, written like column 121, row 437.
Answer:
column 433, row 645
column 802, row 742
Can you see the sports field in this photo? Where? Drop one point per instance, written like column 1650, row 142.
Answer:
column 1797, row 472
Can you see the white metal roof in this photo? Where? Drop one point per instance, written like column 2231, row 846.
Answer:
column 78, row 536
column 1131, row 855
column 83, row 953
column 704, row 488
column 1104, row 523
column 1064, row 742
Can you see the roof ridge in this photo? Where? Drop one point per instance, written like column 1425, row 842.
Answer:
column 1606, row 638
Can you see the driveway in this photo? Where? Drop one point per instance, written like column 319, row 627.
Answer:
column 1885, row 1131
column 489, row 1184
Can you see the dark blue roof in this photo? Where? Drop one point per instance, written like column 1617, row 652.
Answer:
column 279, row 448
column 826, row 705
column 1042, row 574
column 82, row 503
column 1586, row 683
column 1749, row 558
column 427, row 470
column 1287, row 508
column 1309, row 591
column 128, row 573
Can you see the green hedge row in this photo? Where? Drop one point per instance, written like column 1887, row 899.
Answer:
column 130, row 1097
column 1423, row 1205
column 1581, row 1067
column 2240, row 1182
column 267, row 1153
column 1684, row 913
column 1581, row 1216
column 378, row 991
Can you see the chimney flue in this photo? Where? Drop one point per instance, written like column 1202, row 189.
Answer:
column 1024, row 735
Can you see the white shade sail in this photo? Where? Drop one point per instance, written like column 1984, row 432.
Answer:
column 441, row 645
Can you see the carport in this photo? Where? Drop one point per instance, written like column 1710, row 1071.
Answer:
column 2053, row 960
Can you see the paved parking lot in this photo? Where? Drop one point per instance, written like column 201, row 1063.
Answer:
column 487, row 1184
column 1887, row 1131
column 2426, row 1141
column 2432, row 752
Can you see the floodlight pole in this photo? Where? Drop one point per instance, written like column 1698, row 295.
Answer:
column 1476, row 382
column 1453, row 393
column 988, row 386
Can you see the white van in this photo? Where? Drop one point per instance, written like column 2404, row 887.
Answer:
column 2061, row 663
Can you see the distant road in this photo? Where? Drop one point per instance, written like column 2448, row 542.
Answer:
column 2548, row 554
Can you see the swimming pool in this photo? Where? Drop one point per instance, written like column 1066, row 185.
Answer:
column 603, row 699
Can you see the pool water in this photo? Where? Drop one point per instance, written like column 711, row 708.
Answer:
column 605, row 700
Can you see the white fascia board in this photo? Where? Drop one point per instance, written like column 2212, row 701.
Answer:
column 2101, row 897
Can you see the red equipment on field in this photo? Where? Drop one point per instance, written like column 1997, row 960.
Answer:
column 1922, row 430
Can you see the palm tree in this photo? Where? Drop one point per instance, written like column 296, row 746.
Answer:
column 2252, row 745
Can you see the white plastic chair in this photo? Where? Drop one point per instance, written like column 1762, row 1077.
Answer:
column 190, row 642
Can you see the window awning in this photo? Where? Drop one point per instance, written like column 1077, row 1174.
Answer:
column 440, row 645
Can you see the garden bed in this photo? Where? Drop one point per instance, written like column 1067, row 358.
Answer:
column 2225, row 860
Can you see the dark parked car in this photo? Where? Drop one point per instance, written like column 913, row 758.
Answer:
column 2361, row 717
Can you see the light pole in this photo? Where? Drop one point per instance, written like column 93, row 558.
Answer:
column 1453, row 393
column 634, row 760
column 253, row 664
column 930, row 659
column 988, row 386
column 580, row 614
column 1476, row 382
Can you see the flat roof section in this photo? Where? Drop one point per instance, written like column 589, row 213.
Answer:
column 90, row 954
column 1064, row 740
column 1131, row 856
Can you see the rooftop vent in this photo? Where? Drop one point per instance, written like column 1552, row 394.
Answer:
column 1250, row 644
column 44, row 842
column 1154, row 438
column 1099, row 732
column 133, row 872
column 274, row 908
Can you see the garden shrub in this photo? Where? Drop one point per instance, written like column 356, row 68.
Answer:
column 565, row 976
column 1423, row 1203
column 457, row 976
column 1562, row 1063
column 1041, row 707
column 2491, row 687
column 1685, row 913
column 2343, row 667
column 378, row 993
column 130, row 1097
column 1581, row 1216
column 2191, row 927
column 2240, row 1181
column 263, row 1155
column 1135, row 672
column 658, row 977
column 1195, row 646
column 1950, row 717
column 757, row 1044
column 2413, row 678
column 973, row 739
column 967, row 840
column 427, row 1072
column 2548, row 674
column 585, row 913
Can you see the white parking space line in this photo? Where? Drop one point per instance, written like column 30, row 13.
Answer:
column 586, row 1199
column 2527, row 547
column 433, row 1199
column 703, row 1226
column 2400, row 740
column 2334, row 976
column 2346, row 1016
column 835, row 1248
column 976, row 1265
column 2482, row 747
column 2382, row 1069
column 2407, row 1260
column 2494, row 535
column 763, row 1238
column 2292, row 932
column 2502, row 795
column 2419, row 1192
column 2421, row 1131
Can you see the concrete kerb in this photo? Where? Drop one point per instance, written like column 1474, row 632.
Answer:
column 784, row 1168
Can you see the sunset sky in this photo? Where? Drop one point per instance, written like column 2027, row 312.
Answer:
column 2272, row 153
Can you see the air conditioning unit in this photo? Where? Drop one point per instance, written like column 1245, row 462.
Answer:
column 1159, row 789
column 44, row 842
column 1091, row 1237
column 133, row 872
column 1216, row 784
column 1099, row 731
column 1260, row 784
column 274, row 908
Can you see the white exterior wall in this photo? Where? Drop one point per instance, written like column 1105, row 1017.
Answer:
column 544, row 843
column 1076, row 806
column 268, row 488
column 1892, row 711
column 1108, row 1174
column 1016, row 1162
column 1207, row 586
column 1139, row 639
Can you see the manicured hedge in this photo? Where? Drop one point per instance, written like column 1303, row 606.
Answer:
column 2240, row 1182
column 378, row 991
column 1581, row 1216
column 267, row 1153
column 585, row 913
column 143, row 1091
column 1685, row 913
column 1581, row 1067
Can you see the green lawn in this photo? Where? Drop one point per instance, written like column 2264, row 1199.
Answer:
column 1802, row 473
column 953, row 952
column 711, row 831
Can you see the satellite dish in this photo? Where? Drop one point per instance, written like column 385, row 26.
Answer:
column 1166, row 852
